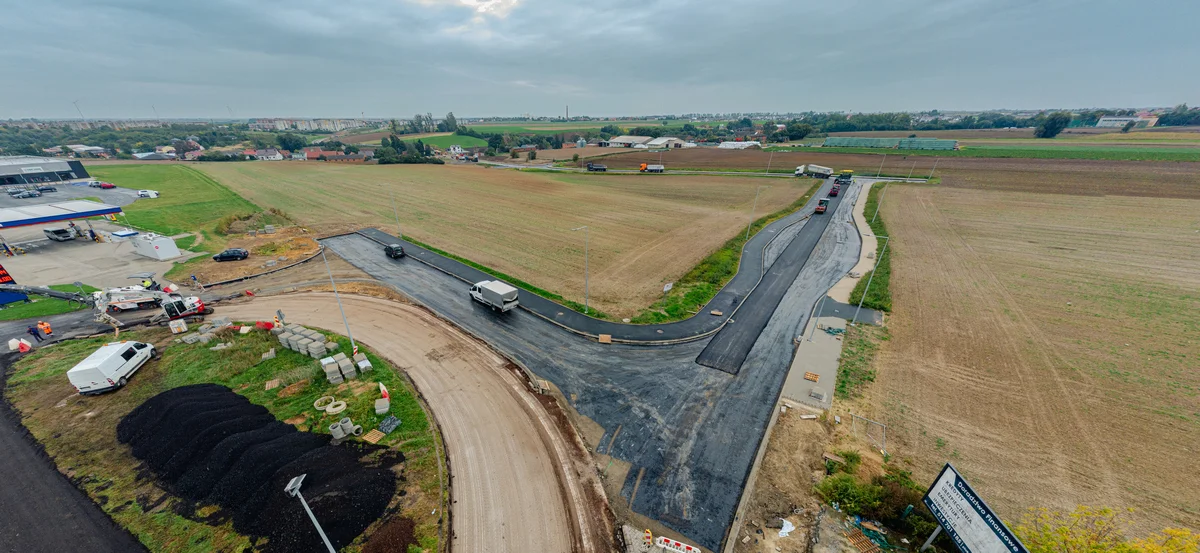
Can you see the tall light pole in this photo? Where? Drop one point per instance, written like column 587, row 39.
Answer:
column 868, row 287
column 769, row 158
column 399, row 233
column 880, row 171
column 585, row 267
column 879, row 204
column 353, row 346
column 753, row 209
column 936, row 159
column 914, row 168
column 81, row 117
column 293, row 489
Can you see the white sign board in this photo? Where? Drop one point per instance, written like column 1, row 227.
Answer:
column 966, row 518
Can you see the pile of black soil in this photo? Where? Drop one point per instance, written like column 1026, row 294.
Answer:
column 210, row 446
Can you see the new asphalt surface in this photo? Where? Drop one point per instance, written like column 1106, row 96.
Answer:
column 690, row 432
column 42, row 511
column 729, row 299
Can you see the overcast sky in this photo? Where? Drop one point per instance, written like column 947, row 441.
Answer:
column 385, row 58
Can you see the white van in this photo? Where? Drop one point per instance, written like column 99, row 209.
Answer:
column 109, row 367
column 147, row 193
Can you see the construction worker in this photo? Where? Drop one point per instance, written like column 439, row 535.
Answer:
column 46, row 329
column 32, row 331
column 147, row 283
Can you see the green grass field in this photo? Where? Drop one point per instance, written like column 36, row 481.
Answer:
column 41, row 306
column 190, row 200
column 443, row 142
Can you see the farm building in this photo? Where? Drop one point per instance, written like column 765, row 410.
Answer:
column 625, row 141
column 665, row 142
column 270, row 154
column 32, row 169
column 1109, row 121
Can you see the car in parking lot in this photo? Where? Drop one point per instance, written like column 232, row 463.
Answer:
column 394, row 251
column 102, row 184
column 147, row 193
column 29, row 194
column 232, row 254
column 47, row 188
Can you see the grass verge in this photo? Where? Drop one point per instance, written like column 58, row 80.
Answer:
column 700, row 284
column 855, row 366
column 880, row 295
column 79, row 433
column 186, row 242
column 514, row 281
column 40, row 306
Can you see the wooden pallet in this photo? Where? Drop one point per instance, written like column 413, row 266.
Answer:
column 374, row 436
column 812, row 376
column 861, row 542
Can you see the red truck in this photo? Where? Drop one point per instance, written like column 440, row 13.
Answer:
column 822, row 205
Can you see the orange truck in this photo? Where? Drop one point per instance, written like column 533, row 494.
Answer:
column 822, row 205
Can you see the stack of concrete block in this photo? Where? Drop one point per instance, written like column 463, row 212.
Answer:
column 302, row 345
column 346, row 366
column 332, row 373
column 382, row 405
column 332, row 346
column 316, row 350
column 360, row 361
column 277, row 330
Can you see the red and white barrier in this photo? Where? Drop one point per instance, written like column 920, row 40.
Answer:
column 678, row 546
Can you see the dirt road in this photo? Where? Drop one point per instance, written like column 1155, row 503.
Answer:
column 504, row 451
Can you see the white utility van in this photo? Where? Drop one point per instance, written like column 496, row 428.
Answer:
column 495, row 294
column 147, row 193
column 109, row 367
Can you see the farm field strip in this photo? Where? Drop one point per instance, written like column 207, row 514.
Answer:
column 645, row 231
column 1051, row 332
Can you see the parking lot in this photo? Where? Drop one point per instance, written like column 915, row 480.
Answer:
column 112, row 196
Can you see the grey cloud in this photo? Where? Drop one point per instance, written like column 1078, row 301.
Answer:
column 398, row 57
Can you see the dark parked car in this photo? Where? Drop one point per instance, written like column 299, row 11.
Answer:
column 232, row 254
column 47, row 188
column 29, row 194
column 394, row 251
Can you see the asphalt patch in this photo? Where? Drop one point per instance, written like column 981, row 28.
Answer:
column 210, row 446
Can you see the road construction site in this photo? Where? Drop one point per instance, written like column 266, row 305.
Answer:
column 682, row 436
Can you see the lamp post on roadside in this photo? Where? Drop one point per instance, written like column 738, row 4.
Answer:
column 399, row 233
column 868, row 287
column 753, row 209
column 585, row 267
column 880, row 171
column 936, row 159
column 769, row 158
column 293, row 489
column 914, row 168
column 353, row 346
column 879, row 204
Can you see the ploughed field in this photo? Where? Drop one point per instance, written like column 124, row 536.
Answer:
column 644, row 230
column 1161, row 179
column 1046, row 345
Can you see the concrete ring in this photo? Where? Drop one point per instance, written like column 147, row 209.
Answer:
column 358, row 430
column 321, row 404
column 335, row 407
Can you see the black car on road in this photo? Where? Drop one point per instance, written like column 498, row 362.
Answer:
column 232, row 254
column 394, row 251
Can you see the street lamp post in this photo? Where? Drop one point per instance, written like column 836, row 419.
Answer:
column 936, row 159
column 879, row 204
column 880, row 171
column 753, row 209
column 399, row 233
column 293, row 489
column 353, row 346
column 868, row 287
column 585, row 267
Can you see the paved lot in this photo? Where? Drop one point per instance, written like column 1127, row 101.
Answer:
column 112, row 196
column 690, row 432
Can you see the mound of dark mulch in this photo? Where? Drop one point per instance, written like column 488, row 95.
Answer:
column 209, row 445
column 395, row 535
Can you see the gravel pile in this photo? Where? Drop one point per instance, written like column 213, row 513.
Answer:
column 211, row 446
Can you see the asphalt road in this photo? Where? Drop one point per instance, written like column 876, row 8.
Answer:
column 693, row 430
column 739, row 288
column 42, row 510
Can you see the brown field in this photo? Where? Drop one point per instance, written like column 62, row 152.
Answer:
column 951, row 134
column 645, row 231
column 1060, row 176
column 1046, row 345
column 562, row 154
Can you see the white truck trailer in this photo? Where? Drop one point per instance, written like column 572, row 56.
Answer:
column 814, row 171
column 109, row 367
column 495, row 294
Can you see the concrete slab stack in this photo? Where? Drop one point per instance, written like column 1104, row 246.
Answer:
column 360, row 361
column 332, row 373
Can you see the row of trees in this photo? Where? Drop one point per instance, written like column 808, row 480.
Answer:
column 1181, row 116
column 425, row 123
column 15, row 140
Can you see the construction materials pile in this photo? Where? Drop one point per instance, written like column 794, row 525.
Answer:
column 211, row 446
column 304, row 341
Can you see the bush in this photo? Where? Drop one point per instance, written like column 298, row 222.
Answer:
column 853, row 460
column 852, row 496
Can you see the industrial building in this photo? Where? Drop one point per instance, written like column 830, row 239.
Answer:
column 37, row 170
column 626, row 141
column 1139, row 122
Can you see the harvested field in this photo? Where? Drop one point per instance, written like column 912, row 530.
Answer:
column 961, row 134
column 345, row 492
column 1056, row 176
column 1046, row 345
column 562, row 154
column 645, row 231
